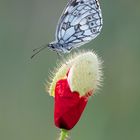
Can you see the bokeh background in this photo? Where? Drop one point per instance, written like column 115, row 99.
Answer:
column 26, row 110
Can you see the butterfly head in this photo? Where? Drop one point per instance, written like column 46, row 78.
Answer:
column 57, row 47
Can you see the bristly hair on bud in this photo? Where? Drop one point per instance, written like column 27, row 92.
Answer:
column 85, row 72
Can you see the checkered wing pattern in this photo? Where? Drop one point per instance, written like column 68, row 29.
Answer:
column 81, row 21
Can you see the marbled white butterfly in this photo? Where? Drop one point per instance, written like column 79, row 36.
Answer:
column 80, row 22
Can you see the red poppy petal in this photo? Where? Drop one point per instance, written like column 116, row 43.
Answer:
column 68, row 105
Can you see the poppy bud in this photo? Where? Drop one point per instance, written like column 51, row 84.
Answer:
column 73, row 83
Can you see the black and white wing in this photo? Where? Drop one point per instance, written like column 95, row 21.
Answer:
column 81, row 21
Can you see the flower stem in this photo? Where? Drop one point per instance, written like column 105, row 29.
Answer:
column 63, row 134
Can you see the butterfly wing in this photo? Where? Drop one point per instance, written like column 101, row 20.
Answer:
column 66, row 10
column 81, row 21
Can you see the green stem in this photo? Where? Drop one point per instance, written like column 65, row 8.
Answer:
column 63, row 134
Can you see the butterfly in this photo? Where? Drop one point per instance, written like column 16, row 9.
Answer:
column 80, row 22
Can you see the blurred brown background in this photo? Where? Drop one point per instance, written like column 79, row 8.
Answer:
column 26, row 111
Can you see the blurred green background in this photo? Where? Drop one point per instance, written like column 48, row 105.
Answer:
column 26, row 110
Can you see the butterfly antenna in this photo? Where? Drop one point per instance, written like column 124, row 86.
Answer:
column 39, row 49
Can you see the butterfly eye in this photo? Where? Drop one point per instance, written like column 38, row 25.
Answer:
column 51, row 46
